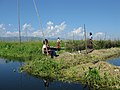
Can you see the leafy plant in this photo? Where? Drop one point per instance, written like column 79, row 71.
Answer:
column 92, row 78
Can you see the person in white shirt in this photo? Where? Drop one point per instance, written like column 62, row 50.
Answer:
column 58, row 43
column 46, row 49
column 90, row 41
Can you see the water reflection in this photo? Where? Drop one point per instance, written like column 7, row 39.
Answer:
column 12, row 79
column 46, row 83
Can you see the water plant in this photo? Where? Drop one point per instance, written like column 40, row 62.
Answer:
column 76, row 45
column 92, row 78
column 66, row 67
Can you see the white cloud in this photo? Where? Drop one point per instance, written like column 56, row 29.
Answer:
column 76, row 33
column 99, row 35
column 27, row 29
column 10, row 25
column 49, row 23
column 60, row 27
column 2, row 27
column 12, row 34
column 54, row 30
column 37, row 34
column 2, row 30
column 51, row 30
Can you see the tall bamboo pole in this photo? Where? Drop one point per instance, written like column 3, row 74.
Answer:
column 18, row 7
column 18, row 3
column 39, row 19
column 85, row 38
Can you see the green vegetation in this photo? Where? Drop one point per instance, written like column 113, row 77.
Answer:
column 89, row 69
column 43, row 68
column 101, row 44
column 24, row 51
column 96, row 81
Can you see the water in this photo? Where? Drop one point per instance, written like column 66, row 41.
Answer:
column 12, row 79
column 115, row 62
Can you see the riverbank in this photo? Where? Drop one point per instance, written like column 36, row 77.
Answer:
column 91, row 69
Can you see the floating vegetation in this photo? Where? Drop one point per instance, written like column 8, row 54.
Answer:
column 70, row 66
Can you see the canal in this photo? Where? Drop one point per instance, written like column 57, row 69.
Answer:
column 12, row 79
column 115, row 62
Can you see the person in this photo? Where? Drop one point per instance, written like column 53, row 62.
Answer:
column 90, row 37
column 58, row 43
column 90, row 41
column 46, row 49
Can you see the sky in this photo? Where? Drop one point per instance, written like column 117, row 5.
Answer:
column 61, row 18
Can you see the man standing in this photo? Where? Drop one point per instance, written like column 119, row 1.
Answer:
column 58, row 43
column 90, row 41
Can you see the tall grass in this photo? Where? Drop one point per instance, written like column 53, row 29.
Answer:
column 25, row 50
column 97, row 44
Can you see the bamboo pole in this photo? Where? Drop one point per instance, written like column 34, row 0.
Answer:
column 85, row 38
column 18, row 3
column 39, row 19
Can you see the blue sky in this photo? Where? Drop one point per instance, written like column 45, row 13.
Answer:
column 62, row 17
